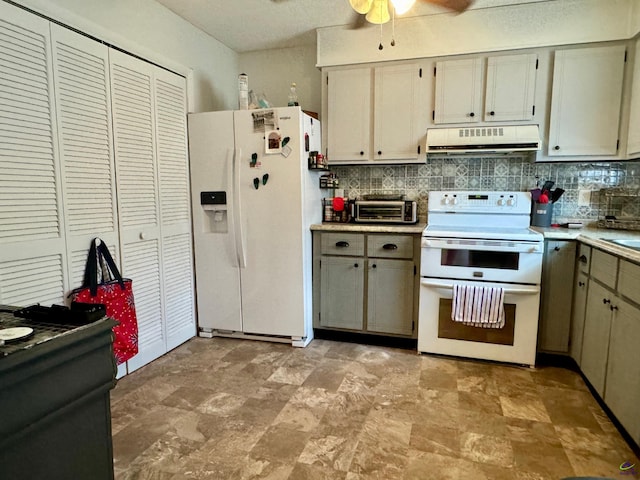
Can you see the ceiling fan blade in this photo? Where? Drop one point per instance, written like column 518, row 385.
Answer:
column 455, row 5
column 361, row 6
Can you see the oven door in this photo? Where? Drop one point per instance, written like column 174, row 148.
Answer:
column 514, row 343
column 480, row 259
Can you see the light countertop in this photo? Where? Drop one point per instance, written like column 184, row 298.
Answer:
column 588, row 235
column 368, row 228
column 594, row 237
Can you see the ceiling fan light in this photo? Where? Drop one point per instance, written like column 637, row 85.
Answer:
column 361, row 6
column 379, row 12
column 402, row 6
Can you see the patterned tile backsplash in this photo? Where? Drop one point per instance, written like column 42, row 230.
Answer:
column 516, row 173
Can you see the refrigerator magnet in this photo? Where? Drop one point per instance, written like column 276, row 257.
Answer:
column 273, row 142
column 286, row 151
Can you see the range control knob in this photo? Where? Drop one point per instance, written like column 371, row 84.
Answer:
column 446, row 200
column 511, row 202
column 501, row 201
column 454, row 200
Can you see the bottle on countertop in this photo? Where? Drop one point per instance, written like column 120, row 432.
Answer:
column 293, row 96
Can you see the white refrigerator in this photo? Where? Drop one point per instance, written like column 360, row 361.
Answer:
column 254, row 199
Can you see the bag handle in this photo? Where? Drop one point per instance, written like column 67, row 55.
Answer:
column 98, row 252
column 105, row 255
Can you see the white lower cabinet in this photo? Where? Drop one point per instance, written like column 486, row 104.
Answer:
column 365, row 282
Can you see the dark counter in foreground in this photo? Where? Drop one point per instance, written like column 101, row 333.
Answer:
column 55, row 419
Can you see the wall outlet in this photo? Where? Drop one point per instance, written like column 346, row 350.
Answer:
column 584, row 197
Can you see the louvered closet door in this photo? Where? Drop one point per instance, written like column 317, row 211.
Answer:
column 173, row 167
column 32, row 247
column 81, row 73
column 138, row 206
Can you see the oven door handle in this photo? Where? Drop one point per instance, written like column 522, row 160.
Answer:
column 533, row 290
column 500, row 246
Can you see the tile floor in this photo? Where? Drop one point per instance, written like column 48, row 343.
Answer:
column 236, row 409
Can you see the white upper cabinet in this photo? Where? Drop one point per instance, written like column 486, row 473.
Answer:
column 375, row 115
column 508, row 93
column 458, row 91
column 510, row 90
column 349, row 115
column 633, row 141
column 398, row 123
column 585, row 101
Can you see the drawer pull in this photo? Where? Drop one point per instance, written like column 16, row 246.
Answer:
column 606, row 300
column 583, row 259
column 581, row 284
column 342, row 244
column 390, row 246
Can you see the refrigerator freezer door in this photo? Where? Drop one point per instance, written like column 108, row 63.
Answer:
column 273, row 290
column 211, row 148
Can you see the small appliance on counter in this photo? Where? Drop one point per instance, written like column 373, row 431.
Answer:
column 382, row 208
column 620, row 208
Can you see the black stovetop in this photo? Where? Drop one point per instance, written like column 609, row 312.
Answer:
column 42, row 331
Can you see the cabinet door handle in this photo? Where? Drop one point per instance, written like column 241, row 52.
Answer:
column 581, row 284
column 613, row 307
column 492, row 113
column 390, row 246
column 355, row 265
column 583, row 259
column 342, row 244
column 557, row 147
column 606, row 300
column 379, row 152
column 374, row 266
column 361, row 152
column 557, row 249
column 472, row 114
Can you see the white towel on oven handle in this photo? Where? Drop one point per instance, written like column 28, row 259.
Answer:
column 478, row 306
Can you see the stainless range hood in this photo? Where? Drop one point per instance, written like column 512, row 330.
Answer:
column 487, row 139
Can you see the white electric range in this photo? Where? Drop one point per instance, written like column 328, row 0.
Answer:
column 484, row 239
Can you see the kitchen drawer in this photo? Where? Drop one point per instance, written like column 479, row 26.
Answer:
column 351, row 244
column 604, row 268
column 628, row 280
column 390, row 246
column 584, row 257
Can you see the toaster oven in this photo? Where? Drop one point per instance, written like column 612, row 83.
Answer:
column 385, row 211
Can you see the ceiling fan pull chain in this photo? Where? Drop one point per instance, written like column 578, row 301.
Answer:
column 380, row 47
column 393, row 26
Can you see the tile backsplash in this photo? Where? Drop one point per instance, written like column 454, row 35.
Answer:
column 516, row 173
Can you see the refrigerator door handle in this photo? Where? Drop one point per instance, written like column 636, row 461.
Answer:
column 237, row 211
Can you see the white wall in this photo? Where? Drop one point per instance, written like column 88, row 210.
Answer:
column 151, row 31
column 272, row 72
column 551, row 23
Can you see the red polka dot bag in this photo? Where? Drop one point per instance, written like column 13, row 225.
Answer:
column 103, row 284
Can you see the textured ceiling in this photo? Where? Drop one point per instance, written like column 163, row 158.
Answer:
column 248, row 25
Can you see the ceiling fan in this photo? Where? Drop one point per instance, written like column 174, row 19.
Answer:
column 378, row 11
column 381, row 11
